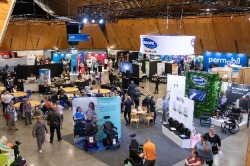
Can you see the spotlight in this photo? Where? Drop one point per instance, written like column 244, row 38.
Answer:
column 85, row 20
column 93, row 21
column 101, row 21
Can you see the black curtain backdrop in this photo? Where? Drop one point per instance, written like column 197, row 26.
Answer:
column 136, row 69
column 152, row 68
column 22, row 72
column 168, row 68
column 133, row 56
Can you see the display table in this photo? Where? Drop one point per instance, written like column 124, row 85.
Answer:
column 139, row 113
column 70, row 89
column 34, row 87
column 218, row 122
column 163, row 79
column 73, row 76
column 19, row 94
column 183, row 143
column 2, row 88
column 33, row 104
column 102, row 91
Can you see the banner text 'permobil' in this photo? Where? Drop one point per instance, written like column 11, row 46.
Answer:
column 167, row 45
column 223, row 59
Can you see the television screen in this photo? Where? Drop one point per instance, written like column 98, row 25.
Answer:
column 124, row 66
column 197, row 95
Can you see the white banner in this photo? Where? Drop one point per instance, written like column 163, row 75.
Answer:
column 160, row 68
column 31, row 60
column 167, row 45
column 176, row 84
column 182, row 109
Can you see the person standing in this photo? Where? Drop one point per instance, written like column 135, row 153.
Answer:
column 157, row 84
column 3, row 94
column 59, row 109
column 111, row 77
column 106, row 61
column 204, row 149
column 131, row 88
column 149, row 153
column 12, row 116
column 165, row 107
column 215, row 140
column 54, row 122
column 127, row 111
column 122, row 95
column 152, row 107
column 137, row 96
column 38, row 132
column 27, row 111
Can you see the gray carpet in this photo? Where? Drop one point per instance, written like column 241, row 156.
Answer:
column 168, row 153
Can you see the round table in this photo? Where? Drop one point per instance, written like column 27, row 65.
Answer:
column 19, row 94
column 33, row 104
column 2, row 88
column 70, row 89
column 102, row 91
column 134, row 111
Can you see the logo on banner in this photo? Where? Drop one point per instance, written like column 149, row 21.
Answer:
column 199, row 80
column 151, row 44
column 226, row 61
column 192, row 42
column 72, row 37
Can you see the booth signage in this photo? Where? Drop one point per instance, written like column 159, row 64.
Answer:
column 199, row 80
column 176, row 84
column 223, row 59
column 167, row 45
column 78, row 37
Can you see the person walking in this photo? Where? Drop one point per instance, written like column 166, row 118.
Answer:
column 111, row 77
column 3, row 94
column 54, row 121
column 127, row 111
column 165, row 107
column 27, row 111
column 7, row 98
column 38, row 132
column 204, row 149
column 59, row 109
column 131, row 88
column 149, row 153
column 12, row 116
column 215, row 140
column 157, row 84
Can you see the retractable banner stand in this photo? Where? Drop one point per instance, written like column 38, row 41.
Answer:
column 234, row 92
column 182, row 109
column 167, row 45
column 176, row 84
column 97, row 108
column 160, row 68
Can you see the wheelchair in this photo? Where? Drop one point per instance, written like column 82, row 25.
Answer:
column 111, row 132
column 135, row 149
column 230, row 125
column 90, row 136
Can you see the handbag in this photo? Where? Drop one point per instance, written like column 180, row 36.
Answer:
column 7, row 116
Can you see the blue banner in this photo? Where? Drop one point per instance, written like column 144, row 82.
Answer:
column 56, row 57
column 78, row 37
column 223, row 59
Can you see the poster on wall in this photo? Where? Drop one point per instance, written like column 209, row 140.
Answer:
column 182, row 109
column 176, row 84
column 235, row 73
column 223, row 59
column 160, row 68
column 175, row 69
column 92, row 110
column 230, row 93
column 167, row 45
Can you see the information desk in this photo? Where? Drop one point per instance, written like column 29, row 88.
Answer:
column 19, row 94
column 33, row 104
column 34, row 87
column 163, row 79
column 184, row 143
column 102, row 91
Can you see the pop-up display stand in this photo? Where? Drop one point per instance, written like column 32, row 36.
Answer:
column 44, row 75
column 181, row 109
column 7, row 156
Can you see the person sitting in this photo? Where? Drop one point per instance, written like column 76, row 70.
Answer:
column 65, row 98
column 54, row 97
column 79, row 116
column 14, row 89
column 48, row 104
column 193, row 160
column 98, row 94
column 60, row 91
column 146, row 102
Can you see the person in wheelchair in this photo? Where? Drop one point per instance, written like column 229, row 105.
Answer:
column 79, row 116
column 135, row 149
column 79, row 122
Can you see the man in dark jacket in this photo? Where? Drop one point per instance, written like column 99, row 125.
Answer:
column 128, row 103
column 131, row 88
column 157, row 84
column 54, row 121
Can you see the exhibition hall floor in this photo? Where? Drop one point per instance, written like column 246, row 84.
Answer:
column 63, row 153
